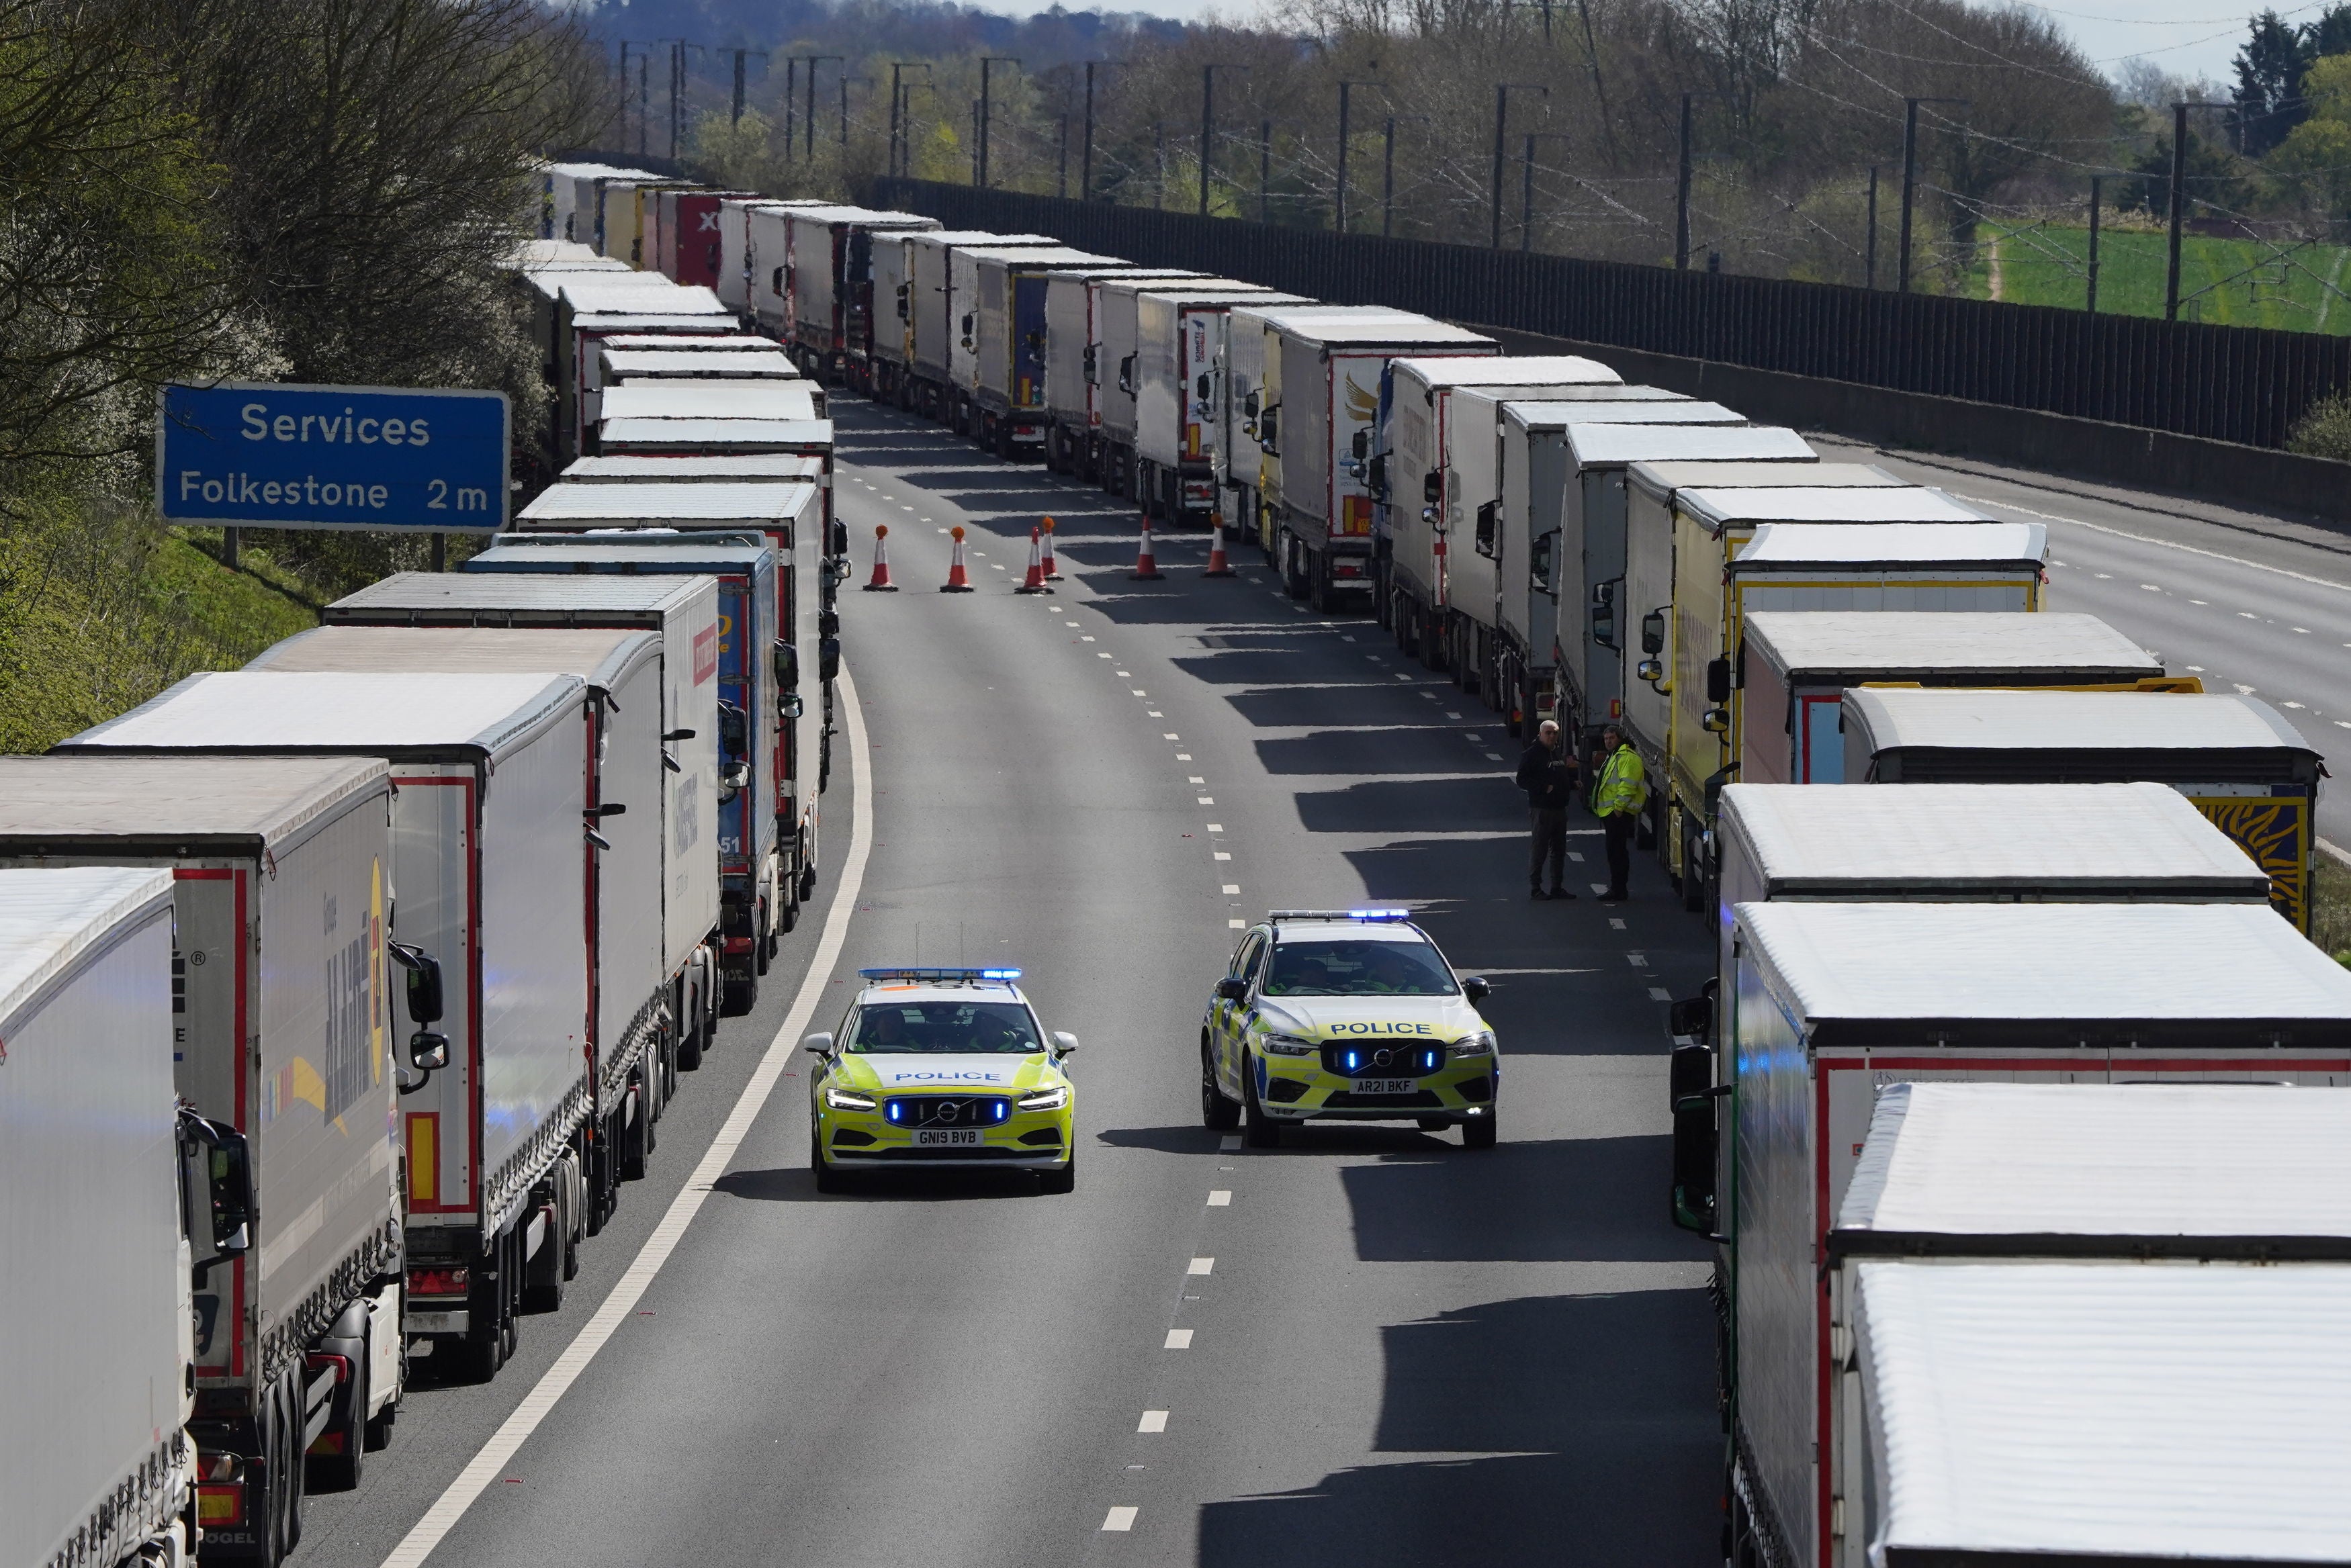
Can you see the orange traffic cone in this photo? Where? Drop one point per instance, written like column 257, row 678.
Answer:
column 958, row 580
column 1217, row 565
column 1052, row 568
column 1034, row 583
column 881, row 583
column 1147, row 570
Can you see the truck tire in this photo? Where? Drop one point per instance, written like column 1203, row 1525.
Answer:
column 291, row 1475
column 341, row 1472
column 740, row 995
column 379, row 1428
column 1219, row 1111
column 634, row 1142
column 689, row 1049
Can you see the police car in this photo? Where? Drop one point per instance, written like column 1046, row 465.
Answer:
column 1345, row 1015
column 936, row 1067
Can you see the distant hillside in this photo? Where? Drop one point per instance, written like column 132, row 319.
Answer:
column 913, row 29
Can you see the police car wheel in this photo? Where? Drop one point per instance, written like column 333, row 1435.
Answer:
column 1219, row 1111
column 1054, row 1182
column 1258, row 1129
column 828, row 1179
column 1480, row 1133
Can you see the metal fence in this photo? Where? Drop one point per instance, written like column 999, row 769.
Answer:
column 2228, row 383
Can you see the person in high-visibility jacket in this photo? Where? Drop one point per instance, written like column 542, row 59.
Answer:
column 1616, row 800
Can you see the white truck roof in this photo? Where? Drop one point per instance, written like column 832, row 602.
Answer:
column 663, row 554
column 1558, row 413
column 1991, row 720
column 1910, row 843
column 631, row 468
column 1717, row 508
column 266, row 710
column 1895, row 544
column 712, row 341
column 50, row 916
column 2094, row 1412
column 2059, row 1168
column 1867, row 973
column 697, row 400
column 1668, row 476
column 1403, row 328
column 753, row 505
column 638, row 294
column 1501, row 371
column 403, row 594
column 1902, row 644
column 176, row 801
column 1618, row 445
column 619, row 435
column 769, row 364
column 601, row 656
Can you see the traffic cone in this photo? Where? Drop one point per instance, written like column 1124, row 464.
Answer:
column 881, row 583
column 1052, row 569
column 958, row 580
column 1217, row 565
column 1034, row 583
column 1147, row 570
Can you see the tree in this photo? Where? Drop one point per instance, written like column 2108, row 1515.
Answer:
column 2269, row 85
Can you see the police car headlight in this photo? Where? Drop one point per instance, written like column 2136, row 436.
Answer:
column 1051, row 1099
column 1481, row 1043
column 848, row 1100
column 1288, row 1046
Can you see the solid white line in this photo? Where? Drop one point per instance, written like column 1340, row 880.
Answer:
column 2165, row 544
column 490, row 1462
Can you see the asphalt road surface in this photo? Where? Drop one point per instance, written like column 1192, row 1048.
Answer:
column 1371, row 1346
column 2252, row 603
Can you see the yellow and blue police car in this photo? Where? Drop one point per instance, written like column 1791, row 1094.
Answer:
column 1346, row 1015
column 936, row 1067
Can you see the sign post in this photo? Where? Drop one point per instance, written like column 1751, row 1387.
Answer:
column 271, row 455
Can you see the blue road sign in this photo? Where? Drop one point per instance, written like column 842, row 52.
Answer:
column 270, row 454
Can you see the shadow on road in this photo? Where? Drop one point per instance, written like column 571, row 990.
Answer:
column 1562, row 1201
column 795, row 1185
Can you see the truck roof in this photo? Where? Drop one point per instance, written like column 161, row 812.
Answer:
column 1600, row 408
column 701, row 437
column 699, row 322
column 1432, row 371
column 1666, row 478
column 1909, row 644
column 1715, row 509
column 174, row 803
column 1617, row 445
column 270, row 711
column 632, row 469
column 649, row 501
column 1399, row 330
column 976, row 237
column 1894, row 543
column 681, row 553
column 767, row 363
column 2076, row 1169
column 638, row 294
column 601, row 656
column 399, row 599
column 2216, row 976
column 697, row 341
column 1983, row 719
column 2105, row 1412
column 691, row 400
column 51, row 916
column 1849, row 840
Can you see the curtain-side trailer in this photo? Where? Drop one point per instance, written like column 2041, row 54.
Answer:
column 983, row 337
column 1073, row 366
column 1179, row 357
column 1830, row 1002
column 829, row 270
column 896, row 304
column 1252, row 383
column 739, row 252
column 689, row 251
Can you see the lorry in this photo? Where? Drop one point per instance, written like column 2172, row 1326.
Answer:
column 494, row 1147
column 1073, row 365
column 897, row 301
column 1249, row 370
column 99, row 1376
column 686, row 248
column 1795, row 666
column 829, row 278
column 990, row 320
column 738, row 258
column 1498, row 529
column 649, row 877
column 593, row 307
column 935, row 313
column 1315, row 426
column 1828, row 1002
column 2076, row 1273
column 700, row 400
column 2236, row 758
column 1177, row 379
column 745, row 359
column 1119, row 361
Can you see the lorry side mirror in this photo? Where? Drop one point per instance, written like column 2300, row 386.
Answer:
column 1718, row 679
column 1126, row 374
column 1269, row 430
column 427, row 1052
column 1375, row 475
column 1691, row 1068
column 1093, row 370
column 828, row 623
column 787, row 665
column 425, row 1004
column 1653, row 633
column 840, row 541
column 828, row 659
column 1489, row 514
column 1539, row 557
column 222, row 1163
column 734, row 733
column 1604, row 616
column 791, row 707
column 1692, row 1018
column 1362, row 445
column 1248, row 405
column 1202, row 387
column 732, row 780
column 1432, row 487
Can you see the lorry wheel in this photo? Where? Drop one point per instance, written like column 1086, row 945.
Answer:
column 632, row 1137
column 1480, row 1133
column 294, row 1467
column 1693, row 875
column 763, row 946
column 742, row 993
column 379, row 1428
column 547, row 1294
column 689, row 1049
column 1219, row 1111
column 1258, row 1129
column 341, row 1472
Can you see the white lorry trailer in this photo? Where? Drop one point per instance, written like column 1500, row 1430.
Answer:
column 996, row 300
column 2139, row 1286
column 493, row 1143
column 1075, row 368
column 830, row 278
column 739, row 248
column 1179, row 356
column 100, row 1375
column 1123, row 364
column 896, row 302
column 638, row 992
column 1830, row 1002
column 593, row 307
column 282, row 880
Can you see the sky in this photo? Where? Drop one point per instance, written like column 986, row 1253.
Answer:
column 2181, row 37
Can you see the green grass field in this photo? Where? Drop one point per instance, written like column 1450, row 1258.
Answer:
column 2045, row 264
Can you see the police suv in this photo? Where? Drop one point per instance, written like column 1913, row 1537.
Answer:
column 1346, row 1015
column 942, row 1067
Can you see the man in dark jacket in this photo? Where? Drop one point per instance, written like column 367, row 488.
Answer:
column 1547, row 775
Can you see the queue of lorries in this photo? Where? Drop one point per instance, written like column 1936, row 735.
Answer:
column 341, row 995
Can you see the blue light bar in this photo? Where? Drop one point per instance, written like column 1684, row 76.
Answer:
column 1339, row 914
column 942, row 976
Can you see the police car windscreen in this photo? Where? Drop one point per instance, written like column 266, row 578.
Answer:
column 948, row 1028
column 1357, row 969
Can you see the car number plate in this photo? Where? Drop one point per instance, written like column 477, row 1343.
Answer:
column 1387, row 1085
column 947, row 1137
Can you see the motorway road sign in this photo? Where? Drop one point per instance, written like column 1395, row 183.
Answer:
column 270, row 454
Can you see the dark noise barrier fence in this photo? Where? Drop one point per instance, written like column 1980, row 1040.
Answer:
column 2179, row 406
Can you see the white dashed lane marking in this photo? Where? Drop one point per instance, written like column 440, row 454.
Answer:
column 1202, row 1266
column 1178, row 1339
column 1120, row 1518
column 1220, row 1199
column 1152, row 1421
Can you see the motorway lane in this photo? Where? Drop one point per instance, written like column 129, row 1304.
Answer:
column 1399, row 1352
column 2251, row 603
